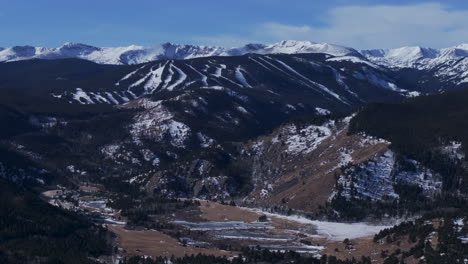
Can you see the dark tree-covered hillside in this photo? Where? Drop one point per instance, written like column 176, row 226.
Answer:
column 32, row 231
column 419, row 128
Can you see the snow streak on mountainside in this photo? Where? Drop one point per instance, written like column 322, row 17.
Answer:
column 299, row 81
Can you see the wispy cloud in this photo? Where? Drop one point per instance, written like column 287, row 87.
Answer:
column 430, row 24
column 372, row 26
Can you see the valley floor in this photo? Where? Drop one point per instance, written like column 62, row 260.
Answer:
column 219, row 224
column 218, row 229
column 155, row 243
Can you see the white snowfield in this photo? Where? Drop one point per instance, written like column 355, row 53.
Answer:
column 340, row 231
column 295, row 47
column 334, row 231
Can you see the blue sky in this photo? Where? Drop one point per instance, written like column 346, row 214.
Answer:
column 357, row 23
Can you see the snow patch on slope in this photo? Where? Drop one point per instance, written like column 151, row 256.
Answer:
column 305, row 140
column 157, row 124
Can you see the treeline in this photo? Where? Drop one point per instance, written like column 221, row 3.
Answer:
column 409, row 204
column 415, row 231
column 249, row 255
column 138, row 209
column 433, row 238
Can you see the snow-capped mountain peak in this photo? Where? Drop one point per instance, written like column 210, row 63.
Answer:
column 406, row 56
column 400, row 57
column 412, row 53
column 455, row 52
column 16, row 52
column 462, row 46
column 293, row 46
column 449, row 63
column 138, row 54
column 72, row 50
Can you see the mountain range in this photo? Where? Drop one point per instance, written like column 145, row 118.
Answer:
column 139, row 54
column 296, row 127
column 448, row 63
column 409, row 56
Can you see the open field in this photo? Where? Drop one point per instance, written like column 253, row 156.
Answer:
column 212, row 211
column 356, row 248
column 154, row 243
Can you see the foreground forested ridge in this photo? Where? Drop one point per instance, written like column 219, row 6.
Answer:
column 32, row 231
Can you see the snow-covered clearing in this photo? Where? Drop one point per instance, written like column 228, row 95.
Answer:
column 332, row 230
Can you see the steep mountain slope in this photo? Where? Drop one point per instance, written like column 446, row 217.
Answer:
column 38, row 77
column 316, row 166
column 296, row 166
column 341, row 82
